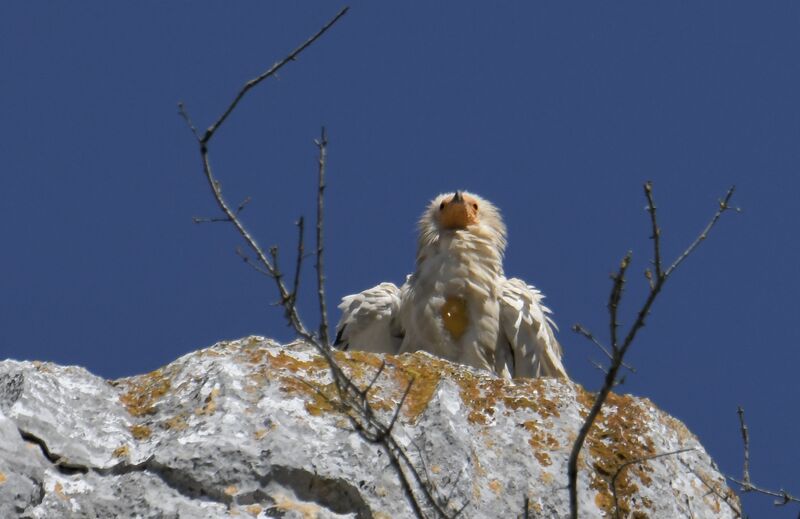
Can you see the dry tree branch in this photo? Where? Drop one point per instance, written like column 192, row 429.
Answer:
column 290, row 309
column 714, row 489
column 745, row 484
column 322, row 144
column 215, row 219
column 300, row 255
column 255, row 81
column 746, row 443
column 627, row 464
column 254, row 266
column 375, row 431
column 618, row 350
column 581, row 330
column 352, row 400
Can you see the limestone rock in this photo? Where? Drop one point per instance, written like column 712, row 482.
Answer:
column 248, row 429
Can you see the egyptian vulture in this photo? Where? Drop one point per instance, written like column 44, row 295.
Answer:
column 457, row 304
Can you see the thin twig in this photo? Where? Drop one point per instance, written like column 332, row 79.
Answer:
column 216, row 219
column 291, row 310
column 374, row 379
column 599, row 366
column 426, row 487
column 241, row 254
column 656, row 236
column 784, row 498
column 322, row 144
column 746, row 442
column 619, row 350
column 453, row 487
column 616, row 297
column 581, row 330
column 627, row 464
column 206, row 219
column 399, row 406
column 244, row 203
column 300, row 255
column 689, row 508
column 713, row 489
column 182, row 112
column 724, row 205
column 374, row 431
column 352, row 400
column 275, row 68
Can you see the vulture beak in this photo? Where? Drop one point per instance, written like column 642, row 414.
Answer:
column 458, row 212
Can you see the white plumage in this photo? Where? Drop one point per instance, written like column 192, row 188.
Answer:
column 458, row 304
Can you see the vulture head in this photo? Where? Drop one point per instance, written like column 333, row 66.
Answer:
column 462, row 215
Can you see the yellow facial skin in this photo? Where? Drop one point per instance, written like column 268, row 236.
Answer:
column 458, row 212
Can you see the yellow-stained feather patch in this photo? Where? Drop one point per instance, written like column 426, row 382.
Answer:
column 455, row 317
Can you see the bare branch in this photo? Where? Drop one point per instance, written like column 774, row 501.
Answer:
column 714, row 489
column 656, row 282
column 241, row 254
column 746, row 442
column 374, row 379
column 656, row 236
column 275, row 68
column 206, row 219
column 322, row 144
column 615, row 297
column 627, row 464
column 579, row 329
column 300, row 256
column 215, row 219
column 352, row 400
column 689, row 508
column 232, row 216
column 242, row 205
column 784, row 498
column 724, row 205
column 182, row 112
column 599, row 367
column 399, row 406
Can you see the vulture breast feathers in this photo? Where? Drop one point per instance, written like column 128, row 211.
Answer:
column 457, row 304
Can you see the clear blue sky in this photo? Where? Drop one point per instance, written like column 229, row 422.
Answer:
column 556, row 111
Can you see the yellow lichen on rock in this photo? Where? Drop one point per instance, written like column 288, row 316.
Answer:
column 121, row 452
column 176, row 423
column 140, row 432
column 144, row 392
column 621, row 434
column 209, row 404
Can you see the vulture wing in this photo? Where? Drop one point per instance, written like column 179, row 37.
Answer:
column 527, row 345
column 370, row 320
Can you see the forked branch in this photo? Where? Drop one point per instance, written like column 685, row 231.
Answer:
column 266, row 74
column 351, row 400
column 745, row 484
column 622, row 468
column 286, row 297
column 657, row 278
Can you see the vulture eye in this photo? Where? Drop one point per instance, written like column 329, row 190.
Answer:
column 441, row 206
column 475, row 206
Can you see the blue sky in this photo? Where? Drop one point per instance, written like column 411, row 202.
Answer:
column 557, row 112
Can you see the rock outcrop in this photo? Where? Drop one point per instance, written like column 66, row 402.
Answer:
column 248, row 429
